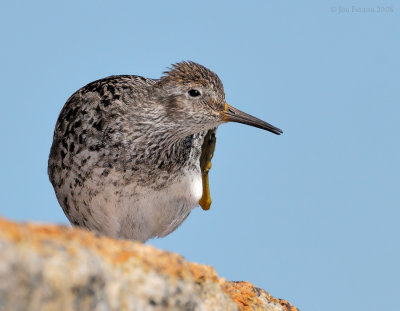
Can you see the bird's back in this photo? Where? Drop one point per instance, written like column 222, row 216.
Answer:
column 89, row 117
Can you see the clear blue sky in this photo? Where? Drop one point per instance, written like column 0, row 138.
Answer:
column 311, row 216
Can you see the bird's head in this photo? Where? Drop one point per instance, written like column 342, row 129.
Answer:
column 193, row 96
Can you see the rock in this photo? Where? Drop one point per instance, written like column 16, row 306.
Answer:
column 47, row 267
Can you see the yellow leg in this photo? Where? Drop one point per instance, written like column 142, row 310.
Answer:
column 205, row 201
column 207, row 152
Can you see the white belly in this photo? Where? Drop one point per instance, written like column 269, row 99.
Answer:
column 158, row 213
column 138, row 213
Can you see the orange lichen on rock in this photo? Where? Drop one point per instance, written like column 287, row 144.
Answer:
column 248, row 297
column 91, row 270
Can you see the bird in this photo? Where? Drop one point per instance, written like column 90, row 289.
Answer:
column 131, row 155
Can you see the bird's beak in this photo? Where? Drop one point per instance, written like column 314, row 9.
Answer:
column 231, row 114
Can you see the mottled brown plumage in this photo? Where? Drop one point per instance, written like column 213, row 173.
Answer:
column 129, row 157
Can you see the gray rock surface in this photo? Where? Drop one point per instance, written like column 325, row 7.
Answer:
column 44, row 267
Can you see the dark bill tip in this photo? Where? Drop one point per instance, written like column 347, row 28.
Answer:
column 231, row 114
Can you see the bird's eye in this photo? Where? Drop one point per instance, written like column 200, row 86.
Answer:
column 194, row 93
